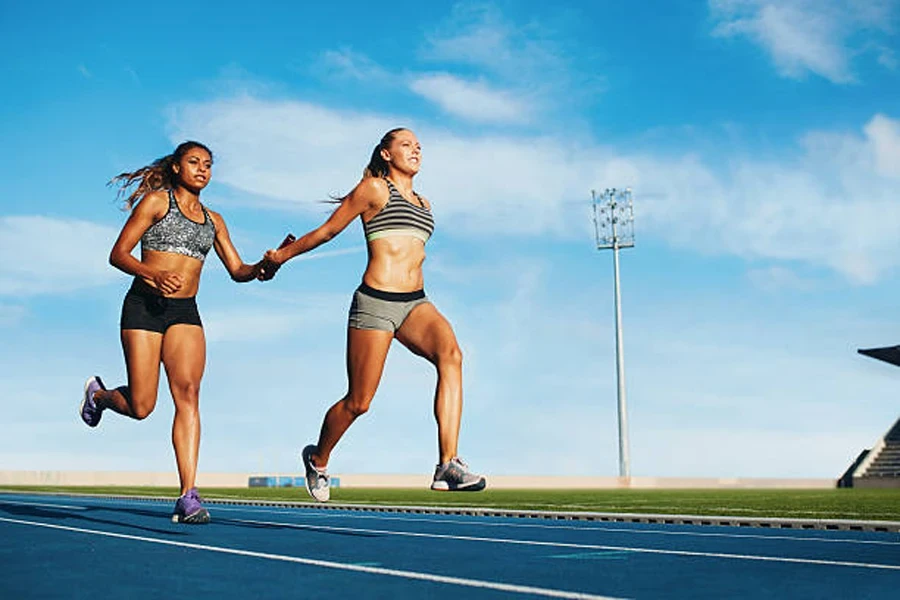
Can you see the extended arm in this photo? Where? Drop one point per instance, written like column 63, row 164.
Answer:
column 228, row 254
column 367, row 193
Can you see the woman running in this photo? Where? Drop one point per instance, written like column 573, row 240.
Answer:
column 389, row 303
column 160, row 321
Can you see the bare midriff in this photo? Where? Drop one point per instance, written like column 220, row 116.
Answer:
column 395, row 264
column 188, row 267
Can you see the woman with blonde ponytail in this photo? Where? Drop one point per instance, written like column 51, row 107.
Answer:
column 160, row 322
column 389, row 304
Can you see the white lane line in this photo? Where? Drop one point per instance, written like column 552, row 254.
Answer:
column 430, row 577
column 426, row 519
column 42, row 504
column 468, row 538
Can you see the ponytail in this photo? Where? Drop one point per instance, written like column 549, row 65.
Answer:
column 378, row 167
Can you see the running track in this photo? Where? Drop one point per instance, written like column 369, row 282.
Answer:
column 88, row 547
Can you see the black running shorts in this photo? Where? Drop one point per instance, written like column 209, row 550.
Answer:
column 144, row 309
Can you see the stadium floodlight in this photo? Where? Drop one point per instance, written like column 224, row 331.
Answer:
column 614, row 228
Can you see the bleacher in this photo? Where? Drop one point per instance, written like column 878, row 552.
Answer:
column 881, row 468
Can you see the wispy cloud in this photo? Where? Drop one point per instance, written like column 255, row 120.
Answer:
column 41, row 255
column 346, row 63
column 524, row 61
column 474, row 101
column 817, row 36
column 832, row 204
column 84, row 71
column 883, row 135
column 777, row 279
column 478, row 34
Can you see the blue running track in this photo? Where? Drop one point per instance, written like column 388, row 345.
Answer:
column 89, row 547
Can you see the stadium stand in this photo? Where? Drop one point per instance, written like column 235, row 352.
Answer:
column 880, row 467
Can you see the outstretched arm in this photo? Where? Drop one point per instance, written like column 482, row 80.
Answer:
column 228, row 254
column 368, row 193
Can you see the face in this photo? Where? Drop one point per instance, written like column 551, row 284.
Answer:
column 194, row 169
column 404, row 153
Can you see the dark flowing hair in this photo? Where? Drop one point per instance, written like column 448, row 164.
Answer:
column 158, row 175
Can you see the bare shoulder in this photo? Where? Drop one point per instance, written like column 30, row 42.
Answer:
column 372, row 191
column 215, row 216
column 424, row 201
column 155, row 204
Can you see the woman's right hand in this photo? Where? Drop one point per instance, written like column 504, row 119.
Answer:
column 168, row 282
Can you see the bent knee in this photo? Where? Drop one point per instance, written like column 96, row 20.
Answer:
column 141, row 412
column 358, row 404
column 451, row 356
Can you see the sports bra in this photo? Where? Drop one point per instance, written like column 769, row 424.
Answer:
column 399, row 217
column 176, row 233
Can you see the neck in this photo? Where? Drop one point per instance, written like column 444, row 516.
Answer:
column 403, row 181
column 186, row 195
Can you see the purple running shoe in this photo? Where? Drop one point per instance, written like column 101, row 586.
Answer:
column 90, row 412
column 189, row 510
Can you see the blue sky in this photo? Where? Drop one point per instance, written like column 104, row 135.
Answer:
column 761, row 140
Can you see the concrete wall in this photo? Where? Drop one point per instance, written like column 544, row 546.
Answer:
column 239, row 480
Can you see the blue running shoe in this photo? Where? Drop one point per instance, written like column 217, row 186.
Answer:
column 189, row 510
column 317, row 482
column 455, row 476
column 89, row 411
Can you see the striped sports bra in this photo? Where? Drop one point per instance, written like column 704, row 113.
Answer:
column 400, row 217
column 176, row 233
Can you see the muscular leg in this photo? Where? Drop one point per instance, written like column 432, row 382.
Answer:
column 143, row 351
column 367, row 350
column 427, row 333
column 184, row 356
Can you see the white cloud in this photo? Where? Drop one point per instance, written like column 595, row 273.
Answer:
column 778, row 278
column 883, row 136
column 474, row 101
column 833, row 204
column 802, row 36
column 530, row 60
column 346, row 63
column 41, row 255
column 479, row 35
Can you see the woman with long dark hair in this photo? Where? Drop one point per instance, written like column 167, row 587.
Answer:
column 160, row 322
column 389, row 304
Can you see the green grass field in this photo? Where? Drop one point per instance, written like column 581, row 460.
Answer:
column 858, row 504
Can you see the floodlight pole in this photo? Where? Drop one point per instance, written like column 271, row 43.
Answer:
column 611, row 210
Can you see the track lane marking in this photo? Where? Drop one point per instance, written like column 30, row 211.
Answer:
column 42, row 504
column 415, row 575
column 468, row 538
column 428, row 519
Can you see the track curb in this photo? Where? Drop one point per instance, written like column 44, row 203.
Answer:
column 604, row 517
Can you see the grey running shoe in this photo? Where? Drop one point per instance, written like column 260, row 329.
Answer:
column 89, row 411
column 455, row 476
column 188, row 509
column 317, row 483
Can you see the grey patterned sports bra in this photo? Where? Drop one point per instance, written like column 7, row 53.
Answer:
column 176, row 233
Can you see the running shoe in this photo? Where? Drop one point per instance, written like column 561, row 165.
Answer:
column 189, row 510
column 455, row 476
column 90, row 412
column 317, row 483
